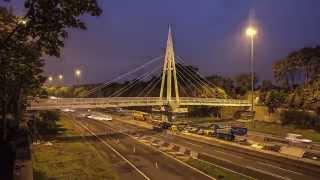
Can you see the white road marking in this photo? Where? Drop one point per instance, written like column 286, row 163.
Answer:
column 273, row 166
column 268, row 173
column 230, row 170
column 223, row 159
column 228, row 154
column 115, row 151
column 185, row 164
column 197, row 145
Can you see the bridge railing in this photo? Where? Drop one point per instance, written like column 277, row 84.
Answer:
column 129, row 101
column 98, row 102
column 188, row 100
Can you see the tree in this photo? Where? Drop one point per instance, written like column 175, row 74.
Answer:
column 243, row 83
column 223, row 82
column 265, row 87
column 298, row 67
column 274, row 100
column 25, row 40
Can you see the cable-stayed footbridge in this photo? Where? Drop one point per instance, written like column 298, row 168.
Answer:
column 178, row 86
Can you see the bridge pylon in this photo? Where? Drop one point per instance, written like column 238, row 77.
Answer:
column 169, row 73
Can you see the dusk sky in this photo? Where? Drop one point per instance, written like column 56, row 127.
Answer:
column 208, row 34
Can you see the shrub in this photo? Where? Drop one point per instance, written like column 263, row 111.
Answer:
column 300, row 119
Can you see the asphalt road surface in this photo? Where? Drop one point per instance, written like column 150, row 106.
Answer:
column 131, row 159
column 255, row 165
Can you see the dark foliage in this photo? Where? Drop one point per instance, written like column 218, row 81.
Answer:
column 300, row 119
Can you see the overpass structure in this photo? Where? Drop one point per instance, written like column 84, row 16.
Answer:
column 168, row 97
column 88, row 103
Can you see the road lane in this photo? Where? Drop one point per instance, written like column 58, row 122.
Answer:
column 152, row 163
column 244, row 160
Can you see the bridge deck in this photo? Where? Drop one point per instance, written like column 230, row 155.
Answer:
column 78, row 103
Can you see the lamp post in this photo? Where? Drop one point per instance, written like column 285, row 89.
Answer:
column 50, row 79
column 60, row 78
column 77, row 73
column 251, row 32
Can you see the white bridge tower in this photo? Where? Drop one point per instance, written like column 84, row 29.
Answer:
column 168, row 74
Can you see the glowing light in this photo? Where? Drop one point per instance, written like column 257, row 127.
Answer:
column 251, row 31
column 23, row 21
column 77, row 72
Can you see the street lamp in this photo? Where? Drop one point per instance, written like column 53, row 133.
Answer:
column 23, row 21
column 77, row 73
column 251, row 32
column 60, row 77
column 50, row 79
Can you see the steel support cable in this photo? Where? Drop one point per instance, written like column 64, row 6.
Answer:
column 183, row 89
column 187, row 82
column 181, row 75
column 105, row 84
column 150, row 84
column 203, row 77
column 153, row 87
column 200, row 81
column 195, row 87
column 179, row 59
column 147, row 86
column 189, row 73
column 127, row 87
column 130, row 85
column 192, row 77
column 123, row 76
column 184, row 82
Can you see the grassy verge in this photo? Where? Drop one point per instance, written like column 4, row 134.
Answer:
column 279, row 130
column 70, row 160
column 213, row 171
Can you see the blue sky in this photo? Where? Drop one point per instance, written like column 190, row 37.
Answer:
column 207, row 34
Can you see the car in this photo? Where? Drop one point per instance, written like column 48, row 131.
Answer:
column 200, row 132
column 297, row 138
column 100, row 118
column 84, row 115
column 68, row 110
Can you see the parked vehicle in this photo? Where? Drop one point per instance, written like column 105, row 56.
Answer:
column 141, row 116
column 228, row 132
column 68, row 110
column 100, row 117
column 297, row 138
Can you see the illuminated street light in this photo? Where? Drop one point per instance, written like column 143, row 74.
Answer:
column 60, row 76
column 78, row 73
column 50, row 78
column 252, row 32
column 23, row 21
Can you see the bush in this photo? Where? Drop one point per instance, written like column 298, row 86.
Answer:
column 46, row 123
column 300, row 119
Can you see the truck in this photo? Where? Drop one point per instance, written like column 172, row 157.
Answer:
column 228, row 132
column 159, row 125
column 141, row 116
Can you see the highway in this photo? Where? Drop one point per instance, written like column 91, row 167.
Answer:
column 131, row 159
column 255, row 165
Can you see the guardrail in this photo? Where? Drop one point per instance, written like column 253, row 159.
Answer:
column 59, row 103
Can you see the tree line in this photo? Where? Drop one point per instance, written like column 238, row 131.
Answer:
column 25, row 41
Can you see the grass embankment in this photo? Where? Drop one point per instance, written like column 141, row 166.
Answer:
column 213, row 171
column 279, row 130
column 70, row 160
